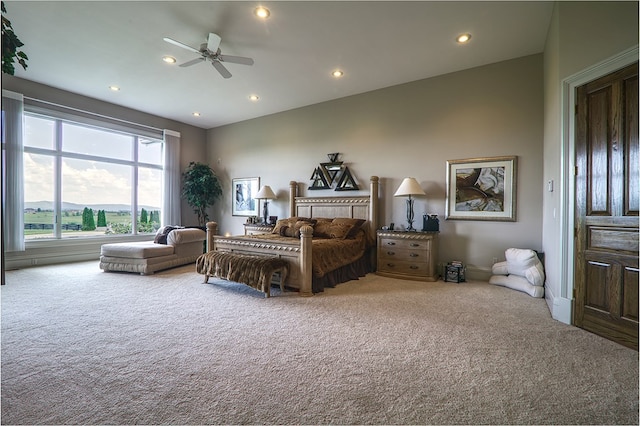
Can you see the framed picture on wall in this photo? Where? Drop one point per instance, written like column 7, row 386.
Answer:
column 482, row 189
column 243, row 195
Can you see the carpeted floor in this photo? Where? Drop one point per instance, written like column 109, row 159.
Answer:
column 80, row 346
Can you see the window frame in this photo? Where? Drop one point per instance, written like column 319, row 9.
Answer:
column 58, row 154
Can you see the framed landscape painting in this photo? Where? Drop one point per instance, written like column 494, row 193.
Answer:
column 482, row 189
column 244, row 192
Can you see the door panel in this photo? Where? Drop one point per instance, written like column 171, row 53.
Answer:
column 607, row 175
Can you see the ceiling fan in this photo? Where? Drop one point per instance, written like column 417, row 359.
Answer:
column 211, row 51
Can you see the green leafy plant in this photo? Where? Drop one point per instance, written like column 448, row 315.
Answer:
column 201, row 188
column 10, row 45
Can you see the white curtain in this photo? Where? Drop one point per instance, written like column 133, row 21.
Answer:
column 13, row 179
column 171, row 180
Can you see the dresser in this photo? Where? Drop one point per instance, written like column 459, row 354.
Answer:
column 257, row 229
column 408, row 255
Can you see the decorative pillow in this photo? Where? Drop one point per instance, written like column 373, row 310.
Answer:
column 339, row 228
column 322, row 228
column 294, row 231
column 290, row 222
column 291, row 227
column 163, row 232
column 354, row 224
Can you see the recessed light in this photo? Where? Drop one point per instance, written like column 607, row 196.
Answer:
column 114, row 88
column 337, row 73
column 262, row 12
column 196, row 114
column 169, row 59
column 463, row 38
column 254, row 98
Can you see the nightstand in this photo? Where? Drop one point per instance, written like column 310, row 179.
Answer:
column 257, row 229
column 408, row 255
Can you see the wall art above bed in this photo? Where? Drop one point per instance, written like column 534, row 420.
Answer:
column 333, row 174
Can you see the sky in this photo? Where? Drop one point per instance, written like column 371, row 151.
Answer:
column 87, row 181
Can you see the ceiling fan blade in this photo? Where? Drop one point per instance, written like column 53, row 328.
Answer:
column 192, row 62
column 177, row 43
column 236, row 59
column 213, row 42
column 221, row 69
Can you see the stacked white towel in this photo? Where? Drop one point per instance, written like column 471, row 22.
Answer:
column 522, row 271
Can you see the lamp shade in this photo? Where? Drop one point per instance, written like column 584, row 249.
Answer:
column 409, row 186
column 265, row 193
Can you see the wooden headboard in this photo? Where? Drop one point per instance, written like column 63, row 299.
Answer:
column 358, row 207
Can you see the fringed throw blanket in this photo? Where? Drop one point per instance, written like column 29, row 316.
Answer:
column 254, row 271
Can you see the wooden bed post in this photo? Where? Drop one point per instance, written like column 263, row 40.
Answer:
column 293, row 193
column 373, row 203
column 306, row 235
column 212, row 229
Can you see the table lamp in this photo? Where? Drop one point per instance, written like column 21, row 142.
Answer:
column 265, row 194
column 409, row 186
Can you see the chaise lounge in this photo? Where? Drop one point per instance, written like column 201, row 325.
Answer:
column 183, row 246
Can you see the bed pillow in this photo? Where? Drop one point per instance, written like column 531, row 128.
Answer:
column 287, row 227
column 339, row 228
column 322, row 228
column 353, row 224
column 289, row 222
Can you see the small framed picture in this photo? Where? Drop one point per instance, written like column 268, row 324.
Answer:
column 243, row 201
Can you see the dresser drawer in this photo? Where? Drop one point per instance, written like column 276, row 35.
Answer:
column 393, row 254
column 403, row 267
column 395, row 243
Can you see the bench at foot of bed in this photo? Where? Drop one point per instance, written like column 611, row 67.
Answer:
column 254, row 271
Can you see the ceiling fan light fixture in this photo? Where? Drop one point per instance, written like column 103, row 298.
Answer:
column 169, row 59
column 262, row 12
column 337, row 73
column 463, row 38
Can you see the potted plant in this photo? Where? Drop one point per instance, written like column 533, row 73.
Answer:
column 10, row 45
column 201, row 188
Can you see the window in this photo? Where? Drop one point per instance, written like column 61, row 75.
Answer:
column 83, row 180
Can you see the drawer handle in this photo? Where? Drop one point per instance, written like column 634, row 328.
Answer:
column 391, row 265
column 415, row 245
column 391, row 253
column 414, row 255
column 413, row 267
column 391, row 243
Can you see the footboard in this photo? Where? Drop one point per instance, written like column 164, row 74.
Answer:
column 297, row 254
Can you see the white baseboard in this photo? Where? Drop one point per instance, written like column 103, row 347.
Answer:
column 560, row 307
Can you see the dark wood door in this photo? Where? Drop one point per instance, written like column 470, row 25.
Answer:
column 607, row 203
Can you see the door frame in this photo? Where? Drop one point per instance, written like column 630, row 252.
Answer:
column 564, row 302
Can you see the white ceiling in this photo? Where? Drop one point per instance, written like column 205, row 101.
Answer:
column 84, row 47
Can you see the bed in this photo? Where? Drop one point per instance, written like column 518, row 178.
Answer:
column 311, row 266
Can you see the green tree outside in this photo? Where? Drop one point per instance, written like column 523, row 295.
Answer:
column 102, row 218
column 88, row 222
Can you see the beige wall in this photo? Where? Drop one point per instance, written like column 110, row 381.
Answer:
column 406, row 130
column 581, row 35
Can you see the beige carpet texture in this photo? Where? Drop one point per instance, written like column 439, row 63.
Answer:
column 81, row 346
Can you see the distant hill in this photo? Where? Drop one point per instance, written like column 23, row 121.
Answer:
column 48, row 205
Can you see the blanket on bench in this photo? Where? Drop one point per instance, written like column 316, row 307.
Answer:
column 254, row 271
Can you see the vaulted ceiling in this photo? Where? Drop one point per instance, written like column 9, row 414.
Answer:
column 87, row 46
